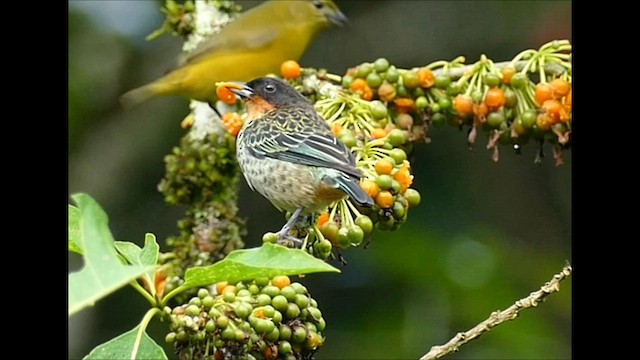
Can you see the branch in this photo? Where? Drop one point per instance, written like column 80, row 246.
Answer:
column 498, row 317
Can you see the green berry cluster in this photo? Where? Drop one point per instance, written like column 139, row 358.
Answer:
column 262, row 319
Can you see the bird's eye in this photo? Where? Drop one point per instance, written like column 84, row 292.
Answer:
column 318, row 4
column 270, row 88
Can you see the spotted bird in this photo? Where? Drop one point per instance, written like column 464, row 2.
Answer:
column 288, row 153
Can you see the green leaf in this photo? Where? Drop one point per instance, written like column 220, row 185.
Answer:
column 103, row 272
column 268, row 260
column 147, row 256
column 74, row 230
column 122, row 347
column 136, row 256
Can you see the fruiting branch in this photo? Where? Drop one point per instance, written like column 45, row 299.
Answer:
column 499, row 317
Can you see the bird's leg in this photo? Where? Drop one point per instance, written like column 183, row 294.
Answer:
column 283, row 234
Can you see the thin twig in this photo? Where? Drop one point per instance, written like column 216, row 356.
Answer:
column 498, row 317
column 457, row 72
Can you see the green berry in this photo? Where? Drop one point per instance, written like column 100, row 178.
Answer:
column 397, row 137
column 343, row 237
column 398, row 210
column 413, row 197
column 210, row 326
column 273, row 335
column 510, row 98
column 292, row 311
column 398, row 155
column 299, row 288
column 228, row 333
column 519, row 81
column 208, row 302
column 268, row 311
column 363, row 70
column 346, row 81
column 214, row 313
column 392, row 74
column 280, row 302
column 243, row 310
column 453, row 89
column 277, row 317
column 243, row 293
column 378, row 109
column 356, row 235
column 271, row 290
column 284, row 347
column 330, row 231
column 384, row 181
column 222, row 321
column 445, row 103
column 270, row 237
column 202, row 293
column 347, row 138
column 438, row 120
column 495, row 119
column 195, row 301
column 529, row 118
column 422, row 102
column 442, row 81
column 321, row 324
column 492, row 80
column 285, row 332
column 302, row 301
column 381, row 65
column 410, row 79
column 254, row 289
column 299, row 334
column 374, row 80
column 229, row 297
column 263, row 299
column 365, row 223
column 315, row 313
column 192, row 310
column 170, row 338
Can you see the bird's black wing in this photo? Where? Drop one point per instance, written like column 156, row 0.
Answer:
column 299, row 136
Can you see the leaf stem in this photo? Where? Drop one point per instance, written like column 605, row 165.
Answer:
column 143, row 326
column 144, row 293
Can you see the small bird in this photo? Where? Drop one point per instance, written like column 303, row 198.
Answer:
column 253, row 45
column 288, row 153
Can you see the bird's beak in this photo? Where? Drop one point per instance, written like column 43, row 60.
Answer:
column 239, row 88
column 338, row 18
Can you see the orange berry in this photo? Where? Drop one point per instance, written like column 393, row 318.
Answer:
column 336, row 129
column 559, row 87
column 229, row 289
column 463, row 104
column 507, row 74
column 554, row 109
column 480, row 110
column 220, row 286
column 544, row 122
column 290, row 69
column 378, row 133
column 232, row 122
column 404, row 105
column 427, row 78
column 495, row 98
column 370, row 187
column 384, row 167
column 384, row 199
column 225, row 95
column 360, row 87
column 281, row 281
column 404, row 177
column 323, row 219
column 386, row 92
column 543, row 93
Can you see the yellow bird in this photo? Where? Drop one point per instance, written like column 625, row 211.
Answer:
column 253, row 45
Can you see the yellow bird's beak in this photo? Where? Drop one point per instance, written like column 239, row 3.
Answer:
column 239, row 88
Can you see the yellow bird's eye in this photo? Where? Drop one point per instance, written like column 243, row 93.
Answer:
column 318, row 4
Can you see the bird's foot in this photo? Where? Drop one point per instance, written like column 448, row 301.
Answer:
column 287, row 240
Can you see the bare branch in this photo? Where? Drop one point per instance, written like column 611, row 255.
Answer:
column 498, row 317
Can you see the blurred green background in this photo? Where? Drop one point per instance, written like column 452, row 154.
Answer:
column 485, row 235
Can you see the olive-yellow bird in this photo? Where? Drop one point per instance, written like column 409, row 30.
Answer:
column 253, row 45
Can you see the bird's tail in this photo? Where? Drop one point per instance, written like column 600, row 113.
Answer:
column 355, row 192
column 138, row 95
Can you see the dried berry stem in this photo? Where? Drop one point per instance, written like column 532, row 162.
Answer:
column 499, row 317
